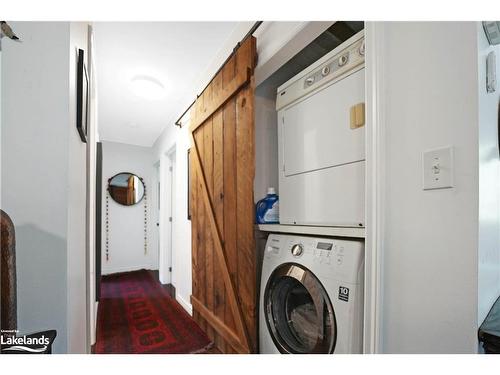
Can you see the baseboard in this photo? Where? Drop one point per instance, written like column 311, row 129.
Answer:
column 96, row 305
column 108, row 271
column 94, row 328
column 186, row 305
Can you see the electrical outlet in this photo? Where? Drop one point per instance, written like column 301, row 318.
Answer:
column 438, row 168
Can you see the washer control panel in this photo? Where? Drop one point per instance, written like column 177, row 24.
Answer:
column 273, row 246
column 340, row 258
column 323, row 251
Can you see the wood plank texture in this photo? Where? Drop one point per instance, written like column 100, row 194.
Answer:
column 229, row 167
column 193, row 203
column 211, row 100
column 228, row 335
column 222, row 159
column 245, row 167
column 201, row 233
column 218, row 249
column 218, row 199
column 207, row 158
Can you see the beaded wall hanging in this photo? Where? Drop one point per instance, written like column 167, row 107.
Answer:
column 126, row 189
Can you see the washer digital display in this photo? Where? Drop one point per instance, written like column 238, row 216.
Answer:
column 324, row 246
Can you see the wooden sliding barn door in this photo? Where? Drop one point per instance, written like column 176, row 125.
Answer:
column 222, row 156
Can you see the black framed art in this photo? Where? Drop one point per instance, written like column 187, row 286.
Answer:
column 82, row 96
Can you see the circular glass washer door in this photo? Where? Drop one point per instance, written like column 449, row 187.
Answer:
column 298, row 311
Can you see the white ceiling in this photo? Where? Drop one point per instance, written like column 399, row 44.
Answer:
column 175, row 53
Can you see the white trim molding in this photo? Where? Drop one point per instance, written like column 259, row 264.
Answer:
column 375, row 177
column 186, row 305
column 108, row 271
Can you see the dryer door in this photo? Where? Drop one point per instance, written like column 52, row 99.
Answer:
column 298, row 311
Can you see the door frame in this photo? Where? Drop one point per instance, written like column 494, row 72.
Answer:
column 167, row 209
column 375, row 187
column 155, row 204
column 375, row 161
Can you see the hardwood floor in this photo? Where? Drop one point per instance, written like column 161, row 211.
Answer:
column 168, row 287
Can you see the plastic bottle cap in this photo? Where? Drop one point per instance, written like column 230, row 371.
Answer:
column 271, row 190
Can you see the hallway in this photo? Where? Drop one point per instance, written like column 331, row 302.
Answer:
column 137, row 316
column 203, row 176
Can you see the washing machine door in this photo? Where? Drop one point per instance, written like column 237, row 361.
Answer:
column 298, row 311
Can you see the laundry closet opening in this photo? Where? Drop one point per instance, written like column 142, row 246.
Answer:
column 266, row 115
column 310, row 151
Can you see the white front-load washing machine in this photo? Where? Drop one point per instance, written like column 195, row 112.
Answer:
column 311, row 295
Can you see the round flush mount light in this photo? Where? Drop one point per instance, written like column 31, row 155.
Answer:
column 147, row 87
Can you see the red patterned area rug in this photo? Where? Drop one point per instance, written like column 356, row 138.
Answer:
column 136, row 315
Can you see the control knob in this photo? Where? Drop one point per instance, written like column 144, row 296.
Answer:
column 297, row 250
column 325, row 71
column 342, row 60
column 362, row 49
column 310, row 81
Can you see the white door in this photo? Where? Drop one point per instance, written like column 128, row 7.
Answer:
column 171, row 212
column 167, row 216
column 157, row 211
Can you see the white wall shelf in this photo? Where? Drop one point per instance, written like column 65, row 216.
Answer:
column 313, row 230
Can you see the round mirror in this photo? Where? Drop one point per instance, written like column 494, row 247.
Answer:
column 126, row 188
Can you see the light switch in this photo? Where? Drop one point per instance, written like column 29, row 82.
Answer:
column 438, row 168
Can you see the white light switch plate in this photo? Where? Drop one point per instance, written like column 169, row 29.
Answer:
column 438, row 168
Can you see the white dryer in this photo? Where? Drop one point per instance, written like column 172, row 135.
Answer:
column 321, row 150
column 311, row 295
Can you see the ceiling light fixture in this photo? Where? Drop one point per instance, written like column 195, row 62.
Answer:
column 148, row 87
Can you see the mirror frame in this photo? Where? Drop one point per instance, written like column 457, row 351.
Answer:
column 121, row 204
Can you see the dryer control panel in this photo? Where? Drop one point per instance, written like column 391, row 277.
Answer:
column 339, row 63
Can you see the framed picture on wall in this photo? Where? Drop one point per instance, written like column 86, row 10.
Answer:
column 189, row 184
column 82, row 96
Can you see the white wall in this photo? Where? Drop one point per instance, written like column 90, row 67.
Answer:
column 174, row 137
column 44, row 179
column 429, row 77
column 34, row 150
column 77, row 206
column 266, row 143
column 91, row 195
column 126, row 223
column 489, row 183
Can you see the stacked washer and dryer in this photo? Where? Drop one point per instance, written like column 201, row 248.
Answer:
column 311, row 296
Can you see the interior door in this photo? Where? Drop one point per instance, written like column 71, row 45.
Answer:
column 222, row 164
column 298, row 311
